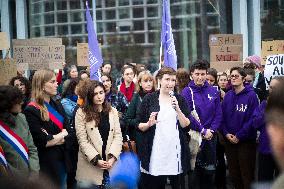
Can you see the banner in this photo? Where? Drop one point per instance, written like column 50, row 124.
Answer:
column 274, row 67
column 271, row 48
column 82, row 54
column 4, row 43
column 8, row 70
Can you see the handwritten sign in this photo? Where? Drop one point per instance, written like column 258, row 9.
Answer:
column 4, row 44
column 42, row 53
column 83, row 54
column 226, row 51
column 271, row 48
column 274, row 67
column 8, row 70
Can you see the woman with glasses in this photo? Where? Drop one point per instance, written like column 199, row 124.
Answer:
column 240, row 144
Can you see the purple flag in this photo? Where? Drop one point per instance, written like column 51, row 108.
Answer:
column 167, row 40
column 95, row 57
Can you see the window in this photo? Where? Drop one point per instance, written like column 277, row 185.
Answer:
column 99, row 15
column 49, row 6
column 75, row 5
column 123, row 13
column 152, row 11
column 124, row 28
column 37, row 8
column 62, row 17
column 152, row 1
column 123, row 2
column 76, row 16
column 111, row 27
column 61, row 5
column 49, row 31
column 153, row 25
column 36, row 31
column 154, row 37
column 110, row 14
column 76, row 40
column 99, row 27
column 137, row 2
column 76, row 29
column 36, row 20
column 49, row 18
column 98, row 3
column 138, row 12
column 62, row 30
column 139, row 38
column 110, row 3
column 138, row 25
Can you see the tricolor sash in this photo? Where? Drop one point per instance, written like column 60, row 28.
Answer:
column 2, row 158
column 54, row 116
column 15, row 141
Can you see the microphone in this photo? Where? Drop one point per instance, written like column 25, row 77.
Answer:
column 171, row 93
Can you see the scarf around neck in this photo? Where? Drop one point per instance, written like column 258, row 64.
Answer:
column 128, row 92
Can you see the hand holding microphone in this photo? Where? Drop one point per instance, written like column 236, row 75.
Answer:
column 174, row 101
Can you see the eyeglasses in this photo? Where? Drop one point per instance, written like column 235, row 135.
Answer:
column 235, row 76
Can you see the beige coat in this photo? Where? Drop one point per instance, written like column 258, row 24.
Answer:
column 90, row 143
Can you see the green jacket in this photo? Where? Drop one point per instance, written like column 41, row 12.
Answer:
column 16, row 163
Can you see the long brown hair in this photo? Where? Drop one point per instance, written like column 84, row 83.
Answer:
column 90, row 109
column 39, row 79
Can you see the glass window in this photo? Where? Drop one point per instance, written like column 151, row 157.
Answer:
column 152, row 1
column 137, row 2
column 49, row 31
column 36, row 20
column 154, row 37
column 110, row 3
column 212, row 20
column 37, row 8
column 139, row 38
column 138, row 12
column 111, row 27
column 76, row 16
column 49, row 18
column 124, row 28
column 152, row 11
column 76, row 29
column 123, row 13
column 138, row 25
column 62, row 17
column 36, row 31
column 61, row 5
column 153, row 25
column 99, row 15
column 110, row 14
column 75, row 5
column 176, row 10
column 176, row 24
column 99, row 27
column 62, row 30
column 98, row 3
column 49, row 6
column 123, row 2
column 76, row 40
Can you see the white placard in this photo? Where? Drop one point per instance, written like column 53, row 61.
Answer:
column 274, row 66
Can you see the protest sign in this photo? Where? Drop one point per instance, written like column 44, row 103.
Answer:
column 8, row 70
column 226, row 51
column 271, row 48
column 82, row 54
column 274, row 67
column 35, row 54
column 4, row 43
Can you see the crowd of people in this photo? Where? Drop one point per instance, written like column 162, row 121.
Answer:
column 186, row 127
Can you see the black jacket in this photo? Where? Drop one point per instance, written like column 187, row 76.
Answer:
column 150, row 103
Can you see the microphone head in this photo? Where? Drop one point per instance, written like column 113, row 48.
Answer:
column 171, row 93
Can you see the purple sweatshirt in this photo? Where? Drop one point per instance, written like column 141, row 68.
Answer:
column 207, row 104
column 259, row 124
column 237, row 113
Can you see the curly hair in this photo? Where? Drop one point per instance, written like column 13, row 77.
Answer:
column 24, row 81
column 70, row 90
column 9, row 96
column 90, row 109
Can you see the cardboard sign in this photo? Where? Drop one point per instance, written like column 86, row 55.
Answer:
column 225, row 39
column 274, row 67
column 39, row 57
column 225, row 66
column 271, row 48
column 82, row 54
column 37, row 42
column 8, row 70
column 226, row 53
column 4, row 44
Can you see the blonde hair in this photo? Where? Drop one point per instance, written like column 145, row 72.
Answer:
column 143, row 76
column 39, row 79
